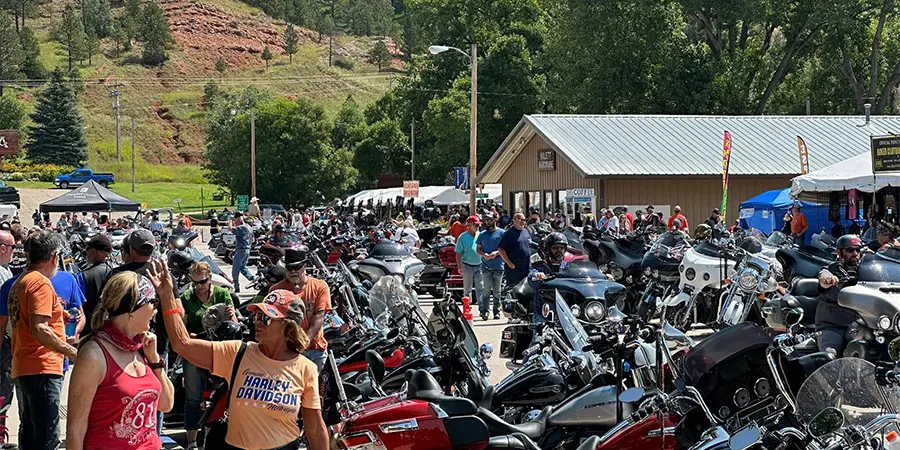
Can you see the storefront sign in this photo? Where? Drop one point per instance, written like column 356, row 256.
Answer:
column 9, row 142
column 410, row 188
column 885, row 153
column 546, row 160
column 580, row 192
column 746, row 213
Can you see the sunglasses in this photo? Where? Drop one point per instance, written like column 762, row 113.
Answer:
column 853, row 250
column 261, row 318
column 296, row 268
column 201, row 282
column 140, row 304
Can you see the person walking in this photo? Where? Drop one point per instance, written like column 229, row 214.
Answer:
column 515, row 249
column 202, row 296
column 91, row 280
column 467, row 258
column 316, row 298
column 488, row 244
column 243, row 238
column 38, row 344
column 120, row 382
column 274, row 359
column 799, row 224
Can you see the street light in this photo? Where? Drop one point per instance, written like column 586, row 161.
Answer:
column 473, row 125
column 252, row 150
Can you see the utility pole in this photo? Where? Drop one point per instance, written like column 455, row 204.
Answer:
column 473, row 132
column 132, row 153
column 252, row 154
column 412, row 147
column 115, row 93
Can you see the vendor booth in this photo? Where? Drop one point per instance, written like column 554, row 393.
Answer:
column 90, row 197
column 766, row 211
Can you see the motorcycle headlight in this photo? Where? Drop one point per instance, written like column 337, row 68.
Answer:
column 748, row 281
column 594, row 311
column 884, row 322
column 690, row 274
column 647, row 271
column 617, row 273
column 545, row 310
column 179, row 242
column 681, row 267
column 576, row 310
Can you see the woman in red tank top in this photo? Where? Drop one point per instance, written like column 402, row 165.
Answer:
column 119, row 382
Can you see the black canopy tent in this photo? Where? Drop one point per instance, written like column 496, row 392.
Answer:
column 89, row 197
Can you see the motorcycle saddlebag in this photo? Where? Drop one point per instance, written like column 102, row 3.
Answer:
column 515, row 340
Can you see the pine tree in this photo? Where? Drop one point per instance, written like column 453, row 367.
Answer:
column 31, row 47
column 267, row 56
column 154, row 32
column 291, row 39
column 70, row 32
column 91, row 45
column 131, row 17
column 11, row 55
column 380, row 55
column 118, row 34
column 57, row 136
column 221, row 66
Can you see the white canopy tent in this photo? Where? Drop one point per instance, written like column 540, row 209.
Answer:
column 852, row 173
column 389, row 194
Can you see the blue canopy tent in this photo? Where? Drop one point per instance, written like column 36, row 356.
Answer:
column 765, row 212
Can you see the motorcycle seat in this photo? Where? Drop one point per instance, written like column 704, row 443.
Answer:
column 805, row 295
column 533, row 429
column 423, row 386
column 806, row 287
column 513, row 441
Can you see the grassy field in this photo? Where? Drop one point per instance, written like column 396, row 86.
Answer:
column 155, row 195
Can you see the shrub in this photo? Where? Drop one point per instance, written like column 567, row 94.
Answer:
column 32, row 172
column 16, row 176
column 344, row 62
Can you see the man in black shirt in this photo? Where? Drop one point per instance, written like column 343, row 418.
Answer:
column 832, row 320
column 92, row 280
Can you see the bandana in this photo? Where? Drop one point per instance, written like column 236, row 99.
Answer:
column 113, row 334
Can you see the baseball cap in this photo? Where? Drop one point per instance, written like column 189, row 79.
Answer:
column 281, row 304
column 238, row 214
column 142, row 240
column 474, row 219
column 99, row 242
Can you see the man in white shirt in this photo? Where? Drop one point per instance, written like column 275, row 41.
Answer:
column 612, row 223
column 407, row 236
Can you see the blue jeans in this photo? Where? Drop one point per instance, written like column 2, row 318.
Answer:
column 39, row 411
column 470, row 277
column 194, row 384
column 490, row 283
column 316, row 356
column 241, row 257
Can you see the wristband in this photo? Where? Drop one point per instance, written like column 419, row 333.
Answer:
column 157, row 365
column 171, row 312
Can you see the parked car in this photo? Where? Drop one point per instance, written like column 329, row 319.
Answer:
column 81, row 176
column 276, row 209
column 9, row 195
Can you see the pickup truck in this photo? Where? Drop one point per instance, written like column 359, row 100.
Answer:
column 81, row 176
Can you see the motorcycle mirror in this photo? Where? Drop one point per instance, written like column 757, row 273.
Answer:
column 894, row 349
column 793, row 316
column 745, row 438
column 826, row 422
column 631, row 395
column 545, row 311
column 486, row 350
column 614, row 315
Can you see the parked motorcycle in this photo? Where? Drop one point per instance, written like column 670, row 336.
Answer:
column 660, row 265
column 754, row 281
column 704, row 270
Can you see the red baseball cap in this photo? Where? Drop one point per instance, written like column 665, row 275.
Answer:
column 281, row 304
column 473, row 219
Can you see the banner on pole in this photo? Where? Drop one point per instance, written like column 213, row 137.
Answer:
column 726, row 157
column 804, row 156
column 411, row 188
column 461, row 177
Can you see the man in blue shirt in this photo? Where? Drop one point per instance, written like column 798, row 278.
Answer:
column 467, row 258
column 243, row 237
column 515, row 249
column 488, row 243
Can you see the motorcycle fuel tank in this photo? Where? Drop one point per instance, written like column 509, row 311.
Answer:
column 594, row 407
column 533, row 384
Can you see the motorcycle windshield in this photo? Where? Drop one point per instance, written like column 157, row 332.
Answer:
column 847, row 384
column 778, row 239
column 574, row 239
column 883, row 267
column 669, row 246
column 389, row 298
column 575, row 333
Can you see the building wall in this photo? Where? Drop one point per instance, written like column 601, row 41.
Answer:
column 523, row 175
column 697, row 196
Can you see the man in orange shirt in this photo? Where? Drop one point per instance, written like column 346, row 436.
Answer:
column 676, row 214
column 315, row 295
column 457, row 227
column 38, row 344
column 799, row 224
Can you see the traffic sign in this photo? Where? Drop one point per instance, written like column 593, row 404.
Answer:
column 482, row 195
column 243, row 203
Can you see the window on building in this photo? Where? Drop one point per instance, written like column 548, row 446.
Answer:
column 518, row 202
column 548, row 202
column 534, row 200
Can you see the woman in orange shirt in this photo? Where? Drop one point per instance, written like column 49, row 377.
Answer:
column 274, row 384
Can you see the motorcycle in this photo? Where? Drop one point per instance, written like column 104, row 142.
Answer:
column 389, row 259
column 586, row 290
column 801, row 261
column 754, row 281
column 660, row 265
column 622, row 258
column 703, row 274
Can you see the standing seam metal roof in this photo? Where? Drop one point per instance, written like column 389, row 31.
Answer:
column 692, row 145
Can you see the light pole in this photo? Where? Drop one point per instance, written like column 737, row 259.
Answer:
column 252, row 150
column 473, row 124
